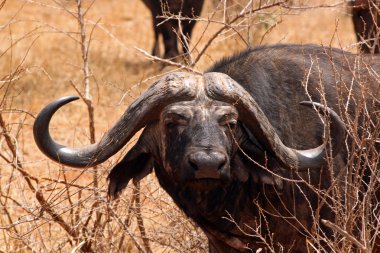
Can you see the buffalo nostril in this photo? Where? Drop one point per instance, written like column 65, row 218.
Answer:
column 193, row 165
column 206, row 160
column 222, row 163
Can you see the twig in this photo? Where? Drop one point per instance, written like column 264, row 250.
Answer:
column 241, row 15
column 45, row 205
column 125, row 228
column 139, row 218
column 88, row 101
column 344, row 233
column 169, row 62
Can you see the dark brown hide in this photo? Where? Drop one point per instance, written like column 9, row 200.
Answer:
column 366, row 17
column 169, row 27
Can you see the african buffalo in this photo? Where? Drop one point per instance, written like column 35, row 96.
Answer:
column 169, row 28
column 366, row 17
column 234, row 148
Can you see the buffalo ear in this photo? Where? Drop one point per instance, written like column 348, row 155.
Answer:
column 137, row 164
column 265, row 169
column 269, row 174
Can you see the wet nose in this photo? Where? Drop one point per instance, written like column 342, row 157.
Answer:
column 207, row 164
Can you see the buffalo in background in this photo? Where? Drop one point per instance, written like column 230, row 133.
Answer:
column 235, row 149
column 169, row 27
column 366, row 17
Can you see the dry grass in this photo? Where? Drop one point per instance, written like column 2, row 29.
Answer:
column 40, row 59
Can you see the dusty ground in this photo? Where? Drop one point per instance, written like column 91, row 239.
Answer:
column 39, row 42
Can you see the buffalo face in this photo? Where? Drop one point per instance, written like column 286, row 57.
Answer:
column 198, row 141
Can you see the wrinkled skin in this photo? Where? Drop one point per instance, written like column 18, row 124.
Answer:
column 197, row 137
column 365, row 17
column 169, row 29
column 216, row 158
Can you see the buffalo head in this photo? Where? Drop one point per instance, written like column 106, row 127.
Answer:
column 194, row 126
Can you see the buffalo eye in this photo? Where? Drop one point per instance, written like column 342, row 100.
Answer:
column 170, row 124
column 232, row 124
column 228, row 121
column 175, row 121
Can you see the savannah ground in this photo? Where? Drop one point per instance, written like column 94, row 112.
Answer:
column 46, row 207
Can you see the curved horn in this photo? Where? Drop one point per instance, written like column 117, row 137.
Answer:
column 222, row 87
column 336, row 132
column 169, row 89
